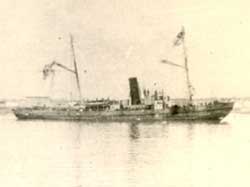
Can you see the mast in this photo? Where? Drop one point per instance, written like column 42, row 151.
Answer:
column 189, row 85
column 180, row 40
column 75, row 66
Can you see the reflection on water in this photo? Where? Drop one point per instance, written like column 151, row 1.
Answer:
column 134, row 132
column 167, row 154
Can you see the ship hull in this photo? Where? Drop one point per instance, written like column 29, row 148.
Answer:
column 216, row 112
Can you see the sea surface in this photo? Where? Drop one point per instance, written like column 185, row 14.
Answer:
column 167, row 154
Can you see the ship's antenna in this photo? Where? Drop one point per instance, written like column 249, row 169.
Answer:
column 75, row 66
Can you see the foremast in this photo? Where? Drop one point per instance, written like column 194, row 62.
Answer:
column 48, row 69
column 75, row 66
column 188, row 82
column 180, row 40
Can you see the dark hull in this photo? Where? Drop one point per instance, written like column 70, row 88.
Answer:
column 215, row 112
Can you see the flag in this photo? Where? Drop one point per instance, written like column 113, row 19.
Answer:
column 47, row 70
column 179, row 38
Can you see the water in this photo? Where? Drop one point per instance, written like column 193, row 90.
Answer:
column 78, row 154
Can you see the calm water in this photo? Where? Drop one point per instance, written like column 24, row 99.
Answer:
column 78, row 154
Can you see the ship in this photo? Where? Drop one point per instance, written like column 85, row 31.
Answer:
column 150, row 107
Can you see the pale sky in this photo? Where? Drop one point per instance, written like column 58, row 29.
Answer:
column 116, row 39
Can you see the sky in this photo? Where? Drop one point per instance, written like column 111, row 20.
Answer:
column 117, row 39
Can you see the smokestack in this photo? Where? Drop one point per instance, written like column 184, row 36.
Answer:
column 134, row 91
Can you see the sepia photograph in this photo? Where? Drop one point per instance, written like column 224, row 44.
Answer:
column 122, row 93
